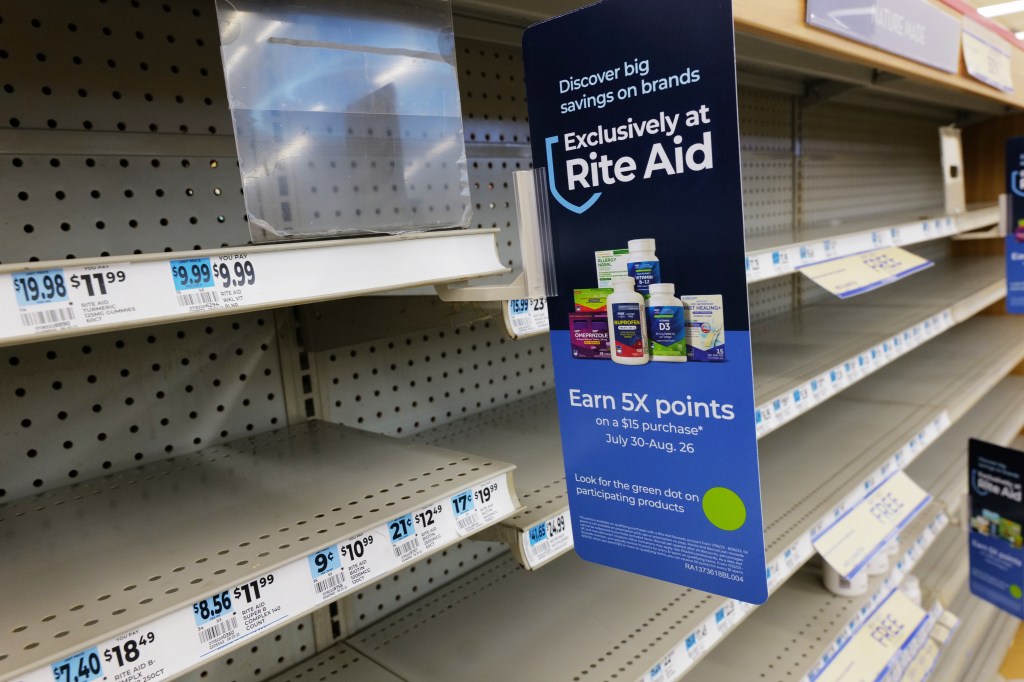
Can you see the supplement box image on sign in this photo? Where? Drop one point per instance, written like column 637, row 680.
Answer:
column 633, row 119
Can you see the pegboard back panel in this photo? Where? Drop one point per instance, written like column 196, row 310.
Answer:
column 493, row 93
column 768, row 163
column 137, row 76
column 366, row 607
column 264, row 658
column 79, row 408
column 497, row 133
column 858, row 161
column 402, row 385
column 772, row 297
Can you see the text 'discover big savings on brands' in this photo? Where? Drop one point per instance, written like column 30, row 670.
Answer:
column 633, row 115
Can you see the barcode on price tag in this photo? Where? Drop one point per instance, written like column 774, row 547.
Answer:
column 466, row 516
column 43, row 301
column 404, row 542
column 526, row 317
column 327, row 572
column 547, row 539
column 193, row 283
column 215, row 620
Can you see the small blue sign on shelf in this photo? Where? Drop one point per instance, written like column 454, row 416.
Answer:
column 1015, row 230
column 996, row 538
column 633, row 114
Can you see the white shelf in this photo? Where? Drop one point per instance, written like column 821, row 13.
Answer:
column 768, row 258
column 802, row 600
column 808, row 355
column 997, row 418
column 803, row 626
column 526, row 432
column 339, row 663
column 979, row 644
column 141, row 290
column 830, row 457
column 138, row 549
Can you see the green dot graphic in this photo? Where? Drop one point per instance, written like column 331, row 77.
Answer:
column 724, row 509
column 1016, row 591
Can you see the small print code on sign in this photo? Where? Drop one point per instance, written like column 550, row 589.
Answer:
column 41, row 317
column 198, row 298
column 329, row 582
column 218, row 630
column 468, row 521
column 406, row 548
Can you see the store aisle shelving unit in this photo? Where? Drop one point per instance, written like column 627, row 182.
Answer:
column 637, row 623
column 255, row 512
column 117, row 136
column 803, row 604
column 825, row 344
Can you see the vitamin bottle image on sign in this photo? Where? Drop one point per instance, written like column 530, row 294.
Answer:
column 666, row 328
column 642, row 265
column 627, row 323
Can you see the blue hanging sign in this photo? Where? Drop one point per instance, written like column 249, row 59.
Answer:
column 1015, row 229
column 633, row 114
column 996, row 548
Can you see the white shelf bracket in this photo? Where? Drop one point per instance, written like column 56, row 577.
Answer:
column 997, row 231
column 530, row 281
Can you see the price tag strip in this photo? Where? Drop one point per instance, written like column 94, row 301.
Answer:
column 526, row 317
column 101, row 295
column 768, row 263
column 865, row 529
column 182, row 639
column 787, row 406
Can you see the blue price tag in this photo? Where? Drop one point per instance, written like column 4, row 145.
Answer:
column 41, row 286
column 462, row 503
column 401, row 528
column 82, row 667
column 324, row 561
column 691, row 642
column 191, row 273
column 538, row 533
column 212, row 608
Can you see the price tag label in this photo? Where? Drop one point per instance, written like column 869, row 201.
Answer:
column 764, row 419
column 867, row 527
column 235, row 279
column 780, row 262
column 526, row 317
column 755, row 268
column 84, row 666
column 430, row 527
column 547, row 539
column 216, row 622
column 194, row 284
column 42, row 300
column 106, row 293
column 404, row 542
column 481, row 505
column 366, row 555
column 327, row 573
